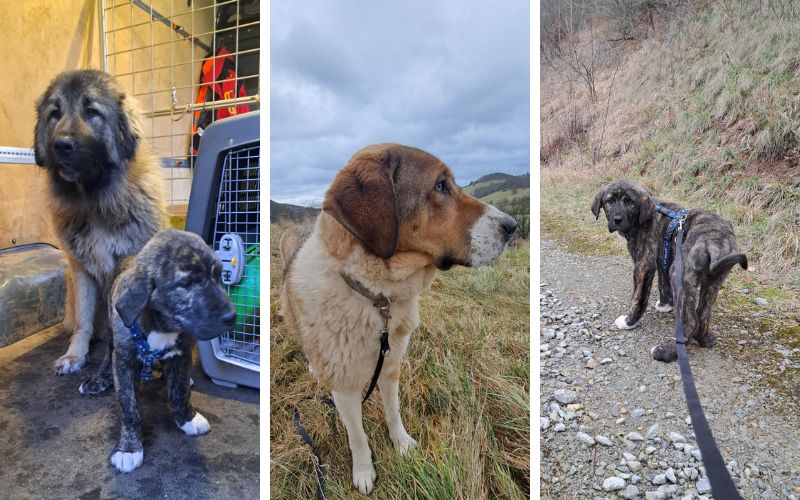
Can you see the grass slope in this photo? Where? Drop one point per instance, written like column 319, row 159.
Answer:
column 487, row 186
column 705, row 113
column 464, row 396
column 506, row 195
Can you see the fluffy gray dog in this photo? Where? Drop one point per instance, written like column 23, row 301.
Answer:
column 106, row 199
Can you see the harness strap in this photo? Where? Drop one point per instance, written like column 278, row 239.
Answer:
column 721, row 483
column 383, row 304
column 676, row 219
column 147, row 355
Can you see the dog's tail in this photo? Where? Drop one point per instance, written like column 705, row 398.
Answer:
column 725, row 264
column 292, row 240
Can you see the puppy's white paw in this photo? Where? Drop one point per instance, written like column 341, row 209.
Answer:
column 69, row 363
column 196, row 426
column 364, row 477
column 404, row 444
column 663, row 308
column 622, row 324
column 127, row 462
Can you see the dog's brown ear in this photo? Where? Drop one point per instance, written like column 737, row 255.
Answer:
column 362, row 198
column 598, row 200
column 647, row 207
column 40, row 136
column 135, row 293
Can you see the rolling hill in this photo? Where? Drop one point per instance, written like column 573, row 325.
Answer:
column 493, row 188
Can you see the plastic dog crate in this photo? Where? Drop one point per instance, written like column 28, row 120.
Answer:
column 224, row 209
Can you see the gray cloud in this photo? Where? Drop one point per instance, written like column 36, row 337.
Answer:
column 449, row 77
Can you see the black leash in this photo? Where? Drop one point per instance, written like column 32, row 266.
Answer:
column 317, row 460
column 721, row 483
column 383, row 304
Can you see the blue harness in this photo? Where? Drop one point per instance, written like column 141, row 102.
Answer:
column 677, row 218
column 147, row 355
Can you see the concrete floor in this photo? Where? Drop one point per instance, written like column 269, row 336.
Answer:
column 55, row 443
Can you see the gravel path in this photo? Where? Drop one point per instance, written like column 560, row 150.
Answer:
column 614, row 422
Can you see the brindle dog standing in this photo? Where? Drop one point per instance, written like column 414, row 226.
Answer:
column 709, row 253
column 106, row 198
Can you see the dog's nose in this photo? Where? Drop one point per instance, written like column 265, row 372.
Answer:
column 65, row 146
column 617, row 219
column 509, row 226
column 229, row 319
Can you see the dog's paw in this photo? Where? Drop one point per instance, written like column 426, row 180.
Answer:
column 127, row 462
column 665, row 353
column 708, row 341
column 96, row 385
column 69, row 363
column 364, row 477
column 197, row 426
column 663, row 308
column 621, row 323
column 404, row 444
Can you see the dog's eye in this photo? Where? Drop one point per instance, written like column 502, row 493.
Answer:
column 55, row 115
column 441, row 187
column 91, row 112
column 189, row 280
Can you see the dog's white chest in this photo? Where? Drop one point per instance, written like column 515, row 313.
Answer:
column 163, row 342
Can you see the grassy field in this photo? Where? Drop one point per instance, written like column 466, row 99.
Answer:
column 464, row 396
column 508, row 194
column 703, row 111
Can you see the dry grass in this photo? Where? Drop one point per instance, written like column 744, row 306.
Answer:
column 464, row 396
column 705, row 113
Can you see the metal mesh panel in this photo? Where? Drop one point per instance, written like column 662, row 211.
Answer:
column 238, row 211
column 175, row 57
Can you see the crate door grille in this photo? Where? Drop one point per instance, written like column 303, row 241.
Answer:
column 238, row 211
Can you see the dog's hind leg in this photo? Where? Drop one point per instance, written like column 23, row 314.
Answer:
column 85, row 296
column 389, row 384
column 348, row 404
column 103, row 378
column 708, row 297
column 687, row 303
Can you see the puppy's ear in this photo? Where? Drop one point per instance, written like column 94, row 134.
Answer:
column 40, row 137
column 362, row 198
column 647, row 207
column 597, row 203
column 129, row 129
column 135, row 292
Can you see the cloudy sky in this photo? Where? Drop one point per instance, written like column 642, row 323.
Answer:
column 450, row 77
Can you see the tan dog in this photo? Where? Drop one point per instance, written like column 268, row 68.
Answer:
column 391, row 218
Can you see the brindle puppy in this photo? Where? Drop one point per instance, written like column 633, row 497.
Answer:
column 709, row 253
column 172, row 290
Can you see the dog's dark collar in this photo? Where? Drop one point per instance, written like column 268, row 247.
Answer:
column 146, row 354
column 383, row 304
column 677, row 219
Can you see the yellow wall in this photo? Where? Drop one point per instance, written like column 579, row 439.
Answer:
column 41, row 38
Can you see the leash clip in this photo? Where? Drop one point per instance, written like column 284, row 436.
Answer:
column 385, row 341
